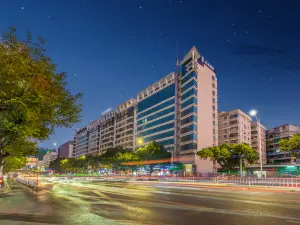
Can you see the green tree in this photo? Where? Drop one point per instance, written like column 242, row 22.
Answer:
column 34, row 98
column 123, row 158
column 217, row 154
column 152, row 151
column 291, row 145
column 229, row 155
column 18, row 150
column 242, row 152
column 12, row 163
column 66, row 165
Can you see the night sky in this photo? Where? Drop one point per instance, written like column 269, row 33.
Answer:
column 112, row 49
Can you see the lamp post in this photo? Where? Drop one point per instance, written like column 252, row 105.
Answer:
column 253, row 113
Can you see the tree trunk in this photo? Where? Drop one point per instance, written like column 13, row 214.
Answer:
column 215, row 166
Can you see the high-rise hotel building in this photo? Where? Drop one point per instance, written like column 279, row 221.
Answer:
column 179, row 111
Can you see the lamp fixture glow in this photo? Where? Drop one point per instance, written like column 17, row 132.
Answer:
column 253, row 112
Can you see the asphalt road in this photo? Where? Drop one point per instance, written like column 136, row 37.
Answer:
column 111, row 203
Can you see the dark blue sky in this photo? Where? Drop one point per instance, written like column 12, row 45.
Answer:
column 113, row 49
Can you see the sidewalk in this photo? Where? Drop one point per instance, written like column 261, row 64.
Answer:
column 19, row 207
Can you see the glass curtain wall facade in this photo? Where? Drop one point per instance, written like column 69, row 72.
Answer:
column 156, row 113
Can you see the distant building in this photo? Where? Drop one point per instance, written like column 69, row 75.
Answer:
column 66, row 150
column 234, row 127
column 124, row 128
column 115, row 128
column 274, row 135
column 48, row 158
column 43, row 151
column 258, row 140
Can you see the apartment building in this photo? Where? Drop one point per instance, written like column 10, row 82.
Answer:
column 93, row 130
column 234, row 127
column 258, row 140
column 82, row 142
column 107, row 130
column 125, row 125
column 66, row 150
column 115, row 128
column 48, row 158
column 274, row 135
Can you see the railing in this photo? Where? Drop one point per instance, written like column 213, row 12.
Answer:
column 269, row 182
column 230, row 180
column 27, row 182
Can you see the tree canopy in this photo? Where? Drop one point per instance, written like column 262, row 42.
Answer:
column 291, row 145
column 228, row 155
column 152, row 151
column 34, row 98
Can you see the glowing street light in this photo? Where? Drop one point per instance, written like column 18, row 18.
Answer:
column 253, row 113
column 140, row 141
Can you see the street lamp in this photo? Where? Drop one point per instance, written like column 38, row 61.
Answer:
column 140, row 141
column 254, row 113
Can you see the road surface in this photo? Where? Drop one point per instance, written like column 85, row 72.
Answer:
column 115, row 203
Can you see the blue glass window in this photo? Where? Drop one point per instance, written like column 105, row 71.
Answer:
column 191, row 146
column 188, row 94
column 157, row 122
column 189, row 102
column 156, row 115
column 188, row 85
column 159, row 136
column 192, row 109
column 189, row 119
column 167, row 103
column 189, row 128
column 187, row 77
column 157, row 97
column 157, row 129
column 166, row 142
column 189, row 137
column 183, row 68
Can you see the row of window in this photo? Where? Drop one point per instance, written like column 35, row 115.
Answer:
column 189, row 128
column 189, row 137
column 192, row 100
column 157, row 129
column 189, row 119
column 191, row 146
column 188, row 85
column 156, row 115
column 156, row 108
column 166, row 142
column 188, row 77
column 193, row 91
column 157, row 122
column 186, row 112
column 159, row 136
column 154, row 99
